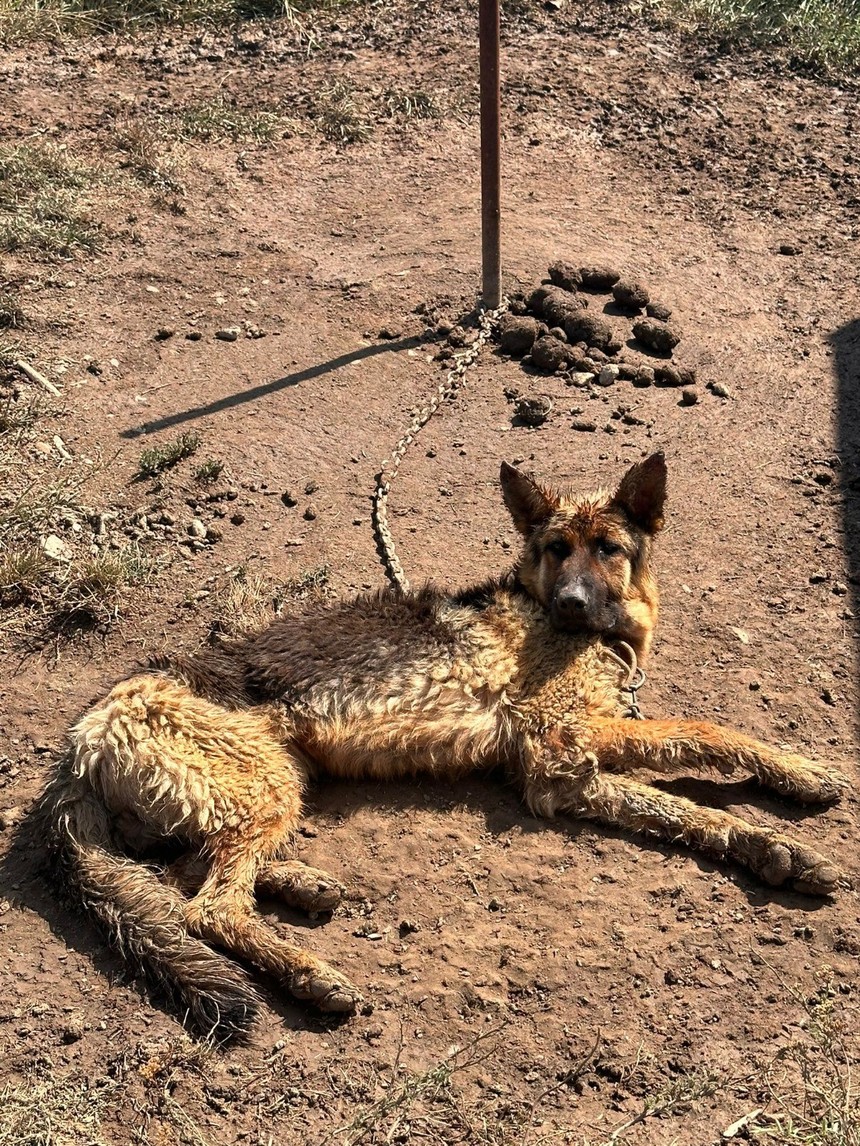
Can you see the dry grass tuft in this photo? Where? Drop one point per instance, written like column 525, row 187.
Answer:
column 43, row 203
column 248, row 602
column 341, row 116
column 157, row 459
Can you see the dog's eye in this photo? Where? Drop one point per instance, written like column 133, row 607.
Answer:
column 607, row 548
column 559, row 549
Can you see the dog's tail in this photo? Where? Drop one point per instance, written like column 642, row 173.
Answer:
column 142, row 915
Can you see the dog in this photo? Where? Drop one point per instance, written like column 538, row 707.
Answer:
column 530, row 672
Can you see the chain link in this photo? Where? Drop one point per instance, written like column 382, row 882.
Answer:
column 447, row 391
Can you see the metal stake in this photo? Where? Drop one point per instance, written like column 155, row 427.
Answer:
column 491, row 107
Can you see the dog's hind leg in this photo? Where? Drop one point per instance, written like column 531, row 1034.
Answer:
column 674, row 745
column 625, row 803
column 223, row 913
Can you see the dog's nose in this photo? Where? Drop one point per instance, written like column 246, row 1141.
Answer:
column 572, row 599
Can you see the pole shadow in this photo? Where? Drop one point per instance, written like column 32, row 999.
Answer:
column 231, row 401
column 845, row 343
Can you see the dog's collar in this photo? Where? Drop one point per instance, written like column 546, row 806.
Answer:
column 626, row 657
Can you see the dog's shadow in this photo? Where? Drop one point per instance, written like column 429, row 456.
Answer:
column 28, row 884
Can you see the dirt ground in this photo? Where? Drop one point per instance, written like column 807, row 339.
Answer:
column 584, row 974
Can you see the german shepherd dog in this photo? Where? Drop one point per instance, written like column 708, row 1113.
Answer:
column 527, row 671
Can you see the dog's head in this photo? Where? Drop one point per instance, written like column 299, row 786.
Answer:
column 587, row 559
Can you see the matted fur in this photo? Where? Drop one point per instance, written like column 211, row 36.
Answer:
column 522, row 671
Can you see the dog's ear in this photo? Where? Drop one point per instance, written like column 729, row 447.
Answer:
column 529, row 504
column 642, row 493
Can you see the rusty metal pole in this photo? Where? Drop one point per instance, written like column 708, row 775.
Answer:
column 491, row 109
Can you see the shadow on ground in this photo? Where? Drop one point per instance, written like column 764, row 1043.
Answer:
column 846, row 355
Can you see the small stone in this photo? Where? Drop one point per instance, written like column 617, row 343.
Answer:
column 10, row 817
column 788, row 249
column 94, row 368
column 311, row 487
column 55, row 548
column 581, row 378
column 558, row 333
column 193, row 335
column 658, row 310
column 164, row 332
column 517, row 335
column 721, row 390
column 584, row 427
column 310, row 513
column 197, row 529
column 608, row 375
column 289, row 499
column 74, row 1029
column 228, row 333
column 598, row 278
column 457, row 337
column 533, row 411
column 689, row 396
column 166, row 518
column 408, row 927
column 565, row 275
column 819, row 577
column 548, row 354
column 631, row 294
column 237, row 519
column 214, row 534
column 389, row 333
column 644, row 376
column 657, row 335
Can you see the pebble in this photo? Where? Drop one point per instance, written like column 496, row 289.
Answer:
column 214, row 534
column 608, row 375
column 193, row 335
column 644, row 376
column 310, row 513
column 580, row 378
column 228, row 333
column 788, row 249
column 10, row 818
column 289, row 499
column 55, row 548
column 197, row 529
column 311, row 487
column 237, row 519
column 584, row 427
column 164, row 332
column 689, row 396
column 74, row 1030
column 721, row 390
column 558, row 305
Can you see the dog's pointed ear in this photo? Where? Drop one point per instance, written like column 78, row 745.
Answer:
column 642, row 493
column 529, row 504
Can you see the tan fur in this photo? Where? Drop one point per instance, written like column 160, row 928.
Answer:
column 389, row 686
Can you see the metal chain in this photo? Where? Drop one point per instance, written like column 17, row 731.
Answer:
column 446, row 392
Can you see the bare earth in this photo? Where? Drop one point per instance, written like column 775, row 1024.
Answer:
column 599, row 971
